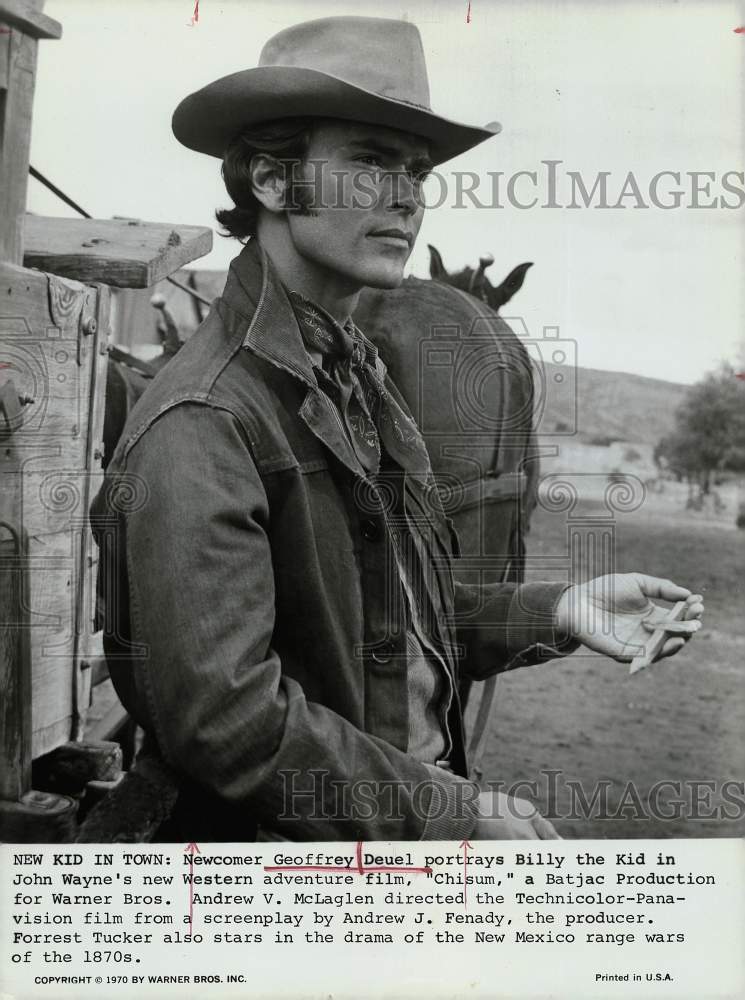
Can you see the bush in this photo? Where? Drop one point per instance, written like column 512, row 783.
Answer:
column 740, row 522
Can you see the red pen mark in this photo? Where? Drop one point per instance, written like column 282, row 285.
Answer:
column 465, row 844
column 195, row 15
column 360, row 868
column 468, row 13
column 740, row 30
column 191, row 849
column 6, row 364
column 740, row 376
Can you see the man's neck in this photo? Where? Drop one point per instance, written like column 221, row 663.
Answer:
column 334, row 292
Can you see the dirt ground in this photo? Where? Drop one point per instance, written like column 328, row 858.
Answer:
column 682, row 721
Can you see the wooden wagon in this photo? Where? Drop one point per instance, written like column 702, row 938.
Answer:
column 56, row 277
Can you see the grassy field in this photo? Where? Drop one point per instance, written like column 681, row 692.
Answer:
column 681, row 721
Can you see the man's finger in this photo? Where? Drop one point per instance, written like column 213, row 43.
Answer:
column 665, row 590
column 694, row 609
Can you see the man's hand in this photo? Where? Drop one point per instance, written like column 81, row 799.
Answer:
column 504, row 817
column 615, row 615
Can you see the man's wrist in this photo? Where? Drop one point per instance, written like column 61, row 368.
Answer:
column 563, row 623
column 565, row 640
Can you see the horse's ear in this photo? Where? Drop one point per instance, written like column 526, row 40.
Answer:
column 436, row 268
column 501, row 295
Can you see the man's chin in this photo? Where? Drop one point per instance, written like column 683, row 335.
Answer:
column 383, row 278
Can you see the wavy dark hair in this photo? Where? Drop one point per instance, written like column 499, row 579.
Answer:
column 288, row 140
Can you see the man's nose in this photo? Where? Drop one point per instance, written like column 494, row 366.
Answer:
column 403, row 191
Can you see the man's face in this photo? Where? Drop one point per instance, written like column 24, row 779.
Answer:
column 363, row 183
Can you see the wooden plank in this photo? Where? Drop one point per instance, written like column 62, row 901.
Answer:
column 125, row 253
column 15, row 140
column 26, row 16
column 4, row 63
column 53, row 572
column 15, row 665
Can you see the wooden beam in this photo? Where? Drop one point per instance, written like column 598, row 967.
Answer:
column 16, row 107
column 15, row 652
column 28, row 18
column 125, row 253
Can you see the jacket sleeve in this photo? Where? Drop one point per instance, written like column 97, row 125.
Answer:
column 209, row 686
column 502, row 626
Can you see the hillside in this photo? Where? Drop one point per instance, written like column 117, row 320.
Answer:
column 614, row 405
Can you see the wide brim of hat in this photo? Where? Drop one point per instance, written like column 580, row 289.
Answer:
column 207, row 120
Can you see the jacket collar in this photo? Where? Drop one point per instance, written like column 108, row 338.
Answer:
column 255, row 290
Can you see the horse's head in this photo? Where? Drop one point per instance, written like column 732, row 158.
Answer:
column 474, row 280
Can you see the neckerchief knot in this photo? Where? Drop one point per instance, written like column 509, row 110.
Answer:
column 350, row 378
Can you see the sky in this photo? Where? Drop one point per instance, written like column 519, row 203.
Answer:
column 619, row 87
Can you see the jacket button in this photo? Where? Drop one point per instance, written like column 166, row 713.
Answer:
column 383, row 653
column 370, row 530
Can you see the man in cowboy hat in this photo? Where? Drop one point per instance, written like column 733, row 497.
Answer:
column 280, row 615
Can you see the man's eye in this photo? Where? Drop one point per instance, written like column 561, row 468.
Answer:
column 370, row 158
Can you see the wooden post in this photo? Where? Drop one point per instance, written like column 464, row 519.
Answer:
column 15, row 661
column 21, row 26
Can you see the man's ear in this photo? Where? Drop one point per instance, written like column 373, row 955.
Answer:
column 268, row 181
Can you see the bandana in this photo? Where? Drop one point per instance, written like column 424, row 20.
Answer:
column 350, row 378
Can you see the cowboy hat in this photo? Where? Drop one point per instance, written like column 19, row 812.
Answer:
column 364, row 69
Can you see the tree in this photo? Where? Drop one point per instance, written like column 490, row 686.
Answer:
column 709, row 434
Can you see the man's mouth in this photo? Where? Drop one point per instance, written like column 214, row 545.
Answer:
column 394, row 237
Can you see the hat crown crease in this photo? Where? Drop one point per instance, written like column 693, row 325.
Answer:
column 380, row 55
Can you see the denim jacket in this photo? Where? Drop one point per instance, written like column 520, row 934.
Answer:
column 254, row 623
